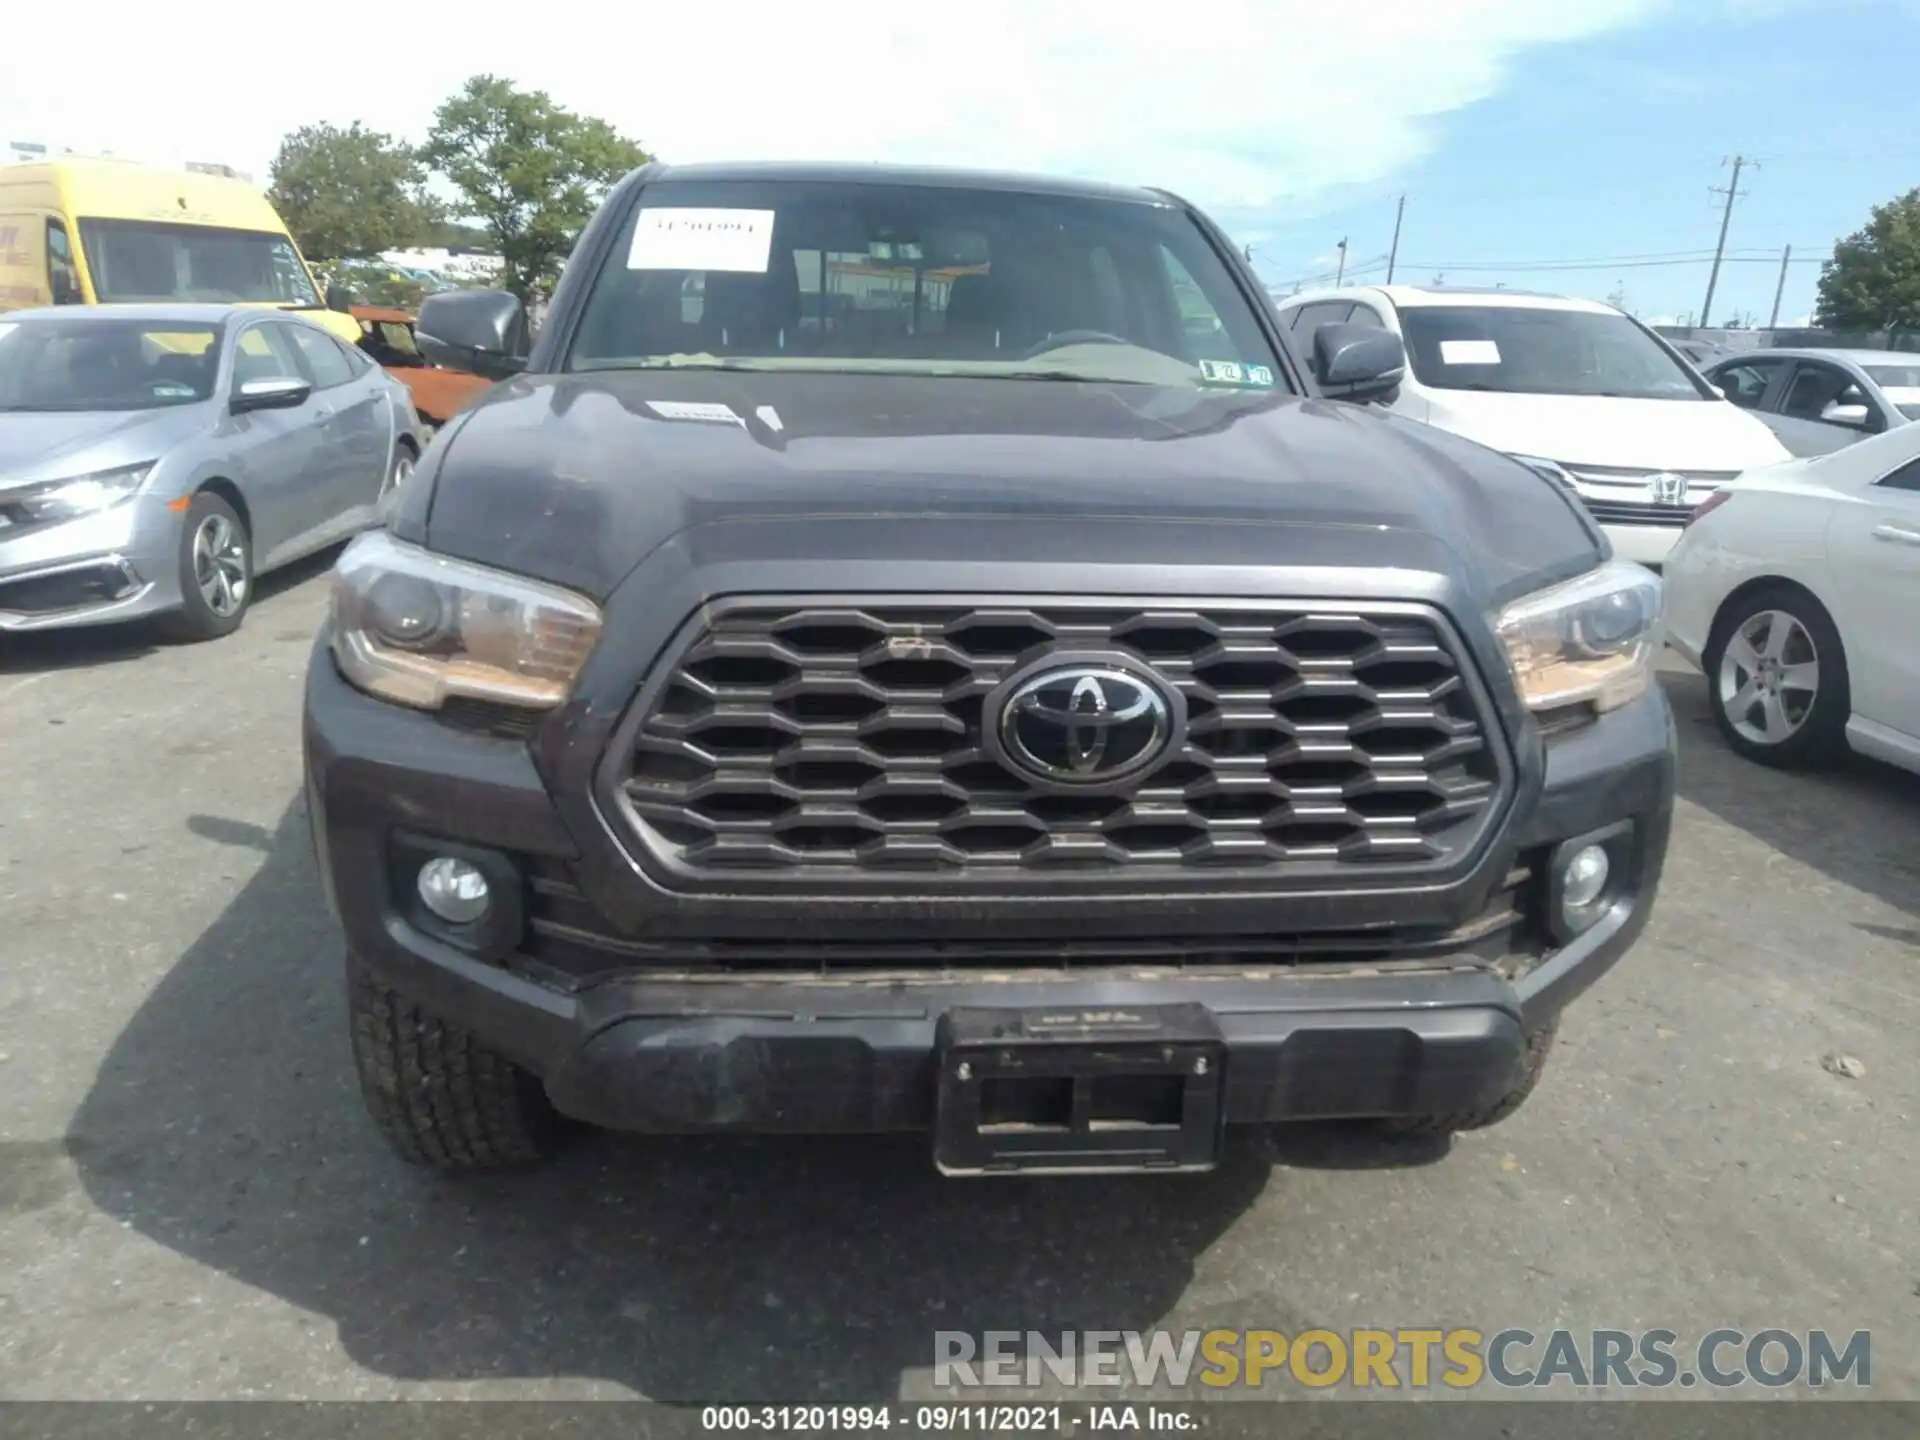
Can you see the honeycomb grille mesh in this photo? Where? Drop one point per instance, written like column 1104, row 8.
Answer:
column 799, row 738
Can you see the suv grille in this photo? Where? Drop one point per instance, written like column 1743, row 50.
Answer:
column 801, row 737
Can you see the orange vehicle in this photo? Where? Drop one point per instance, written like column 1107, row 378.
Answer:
column 386, row 336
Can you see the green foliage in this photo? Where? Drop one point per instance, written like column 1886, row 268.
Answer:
column 530, row 171
column 1873, row 280
column 350, row 192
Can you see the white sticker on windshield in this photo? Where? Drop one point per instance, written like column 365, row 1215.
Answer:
column 1221, row 372
column 1469, row 352
column 684, row 239
column 709, row 412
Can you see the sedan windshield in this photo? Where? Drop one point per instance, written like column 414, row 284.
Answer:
column 142, row 260
column 933, row 280
column 1900, row 384
column 89, row 364
column 1538, row 351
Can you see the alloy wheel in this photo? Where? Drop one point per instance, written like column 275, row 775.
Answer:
column 220, row 565
column 1769, row 677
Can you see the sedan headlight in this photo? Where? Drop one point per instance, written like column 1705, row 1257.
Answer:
column 1589, row 641
column 77, row 495
column 417, row 628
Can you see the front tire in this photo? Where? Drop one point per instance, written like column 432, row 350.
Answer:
column 439, row 1097
column 1777, row 679
column 216, row 572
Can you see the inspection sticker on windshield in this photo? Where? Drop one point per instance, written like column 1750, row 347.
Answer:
column 1469, row 352
column 1222, row 372
column 688, row 239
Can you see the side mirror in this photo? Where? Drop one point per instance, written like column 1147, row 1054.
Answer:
column 1856, row 416
column 339, row 298
column 279, row 392
column 483, row 332
column 1358, row 362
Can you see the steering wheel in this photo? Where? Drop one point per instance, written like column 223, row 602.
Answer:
column 1065, row 338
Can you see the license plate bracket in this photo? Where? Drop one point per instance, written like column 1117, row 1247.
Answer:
column 1078, row 1090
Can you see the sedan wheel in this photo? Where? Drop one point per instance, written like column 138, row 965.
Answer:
column 220, row 565
column 1777, row 678
column 216, row 571
column 399, row 472
column 1769, row 677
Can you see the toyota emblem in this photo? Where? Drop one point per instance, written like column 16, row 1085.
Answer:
column 1086, row 724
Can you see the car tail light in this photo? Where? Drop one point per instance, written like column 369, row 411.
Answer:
column 1707, row 506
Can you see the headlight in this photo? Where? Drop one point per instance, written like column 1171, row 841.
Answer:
column 79, row 495
column 1590, row 641
column 416, row 628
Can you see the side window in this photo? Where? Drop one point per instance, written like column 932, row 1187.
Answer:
column 63, row 276
column 263, row 352
column 1366, row 315
column 1310, row 318
column 1746, row 384
column 326, row 361
column 1907, row 477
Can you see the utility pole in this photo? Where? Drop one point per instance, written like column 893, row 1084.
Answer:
column 1341, row 273
column 1786, row 257
column 1732, row 192
column 1393, row 253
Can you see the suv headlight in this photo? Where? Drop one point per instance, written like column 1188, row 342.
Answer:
column 1590, row 641
column 417, row 628
column 77, row 495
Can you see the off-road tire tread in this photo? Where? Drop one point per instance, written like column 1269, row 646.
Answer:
column 439, row 1097
column 1539, row 1046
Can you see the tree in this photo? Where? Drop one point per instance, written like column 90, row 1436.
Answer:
column 350, row 192
column 1873, row 280
column 528, row 170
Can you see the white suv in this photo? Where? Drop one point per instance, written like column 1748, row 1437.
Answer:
column 1574, row 388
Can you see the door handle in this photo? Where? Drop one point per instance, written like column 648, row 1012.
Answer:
column 1898, row 534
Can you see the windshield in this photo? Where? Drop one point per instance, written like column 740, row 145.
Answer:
column 59, row 364
column 142, row 260
column 1526, row 351
column 913, row 280
column 1900, row 384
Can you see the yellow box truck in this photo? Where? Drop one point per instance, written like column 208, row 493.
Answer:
column 99, row 232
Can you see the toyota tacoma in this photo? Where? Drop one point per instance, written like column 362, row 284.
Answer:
column 908, row 650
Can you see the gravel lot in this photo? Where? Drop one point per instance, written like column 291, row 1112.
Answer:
column 192, row 1206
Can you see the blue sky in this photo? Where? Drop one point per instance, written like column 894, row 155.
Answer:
column 1520, row 130
column 1607, row 147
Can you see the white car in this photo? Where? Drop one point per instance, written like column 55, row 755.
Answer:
column 1580, row 391
column 1795, row 589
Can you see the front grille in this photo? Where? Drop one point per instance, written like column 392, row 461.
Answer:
column 1627, row 512
column 812, row 738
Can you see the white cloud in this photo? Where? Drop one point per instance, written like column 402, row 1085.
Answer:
column 1237, row 103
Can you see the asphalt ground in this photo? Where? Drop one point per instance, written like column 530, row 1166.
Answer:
column 192, row 1205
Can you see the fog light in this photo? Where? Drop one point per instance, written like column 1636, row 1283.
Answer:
column 1585, row 877
column 454, row 890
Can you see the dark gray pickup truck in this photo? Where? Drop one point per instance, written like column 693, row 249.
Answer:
column 914, row 650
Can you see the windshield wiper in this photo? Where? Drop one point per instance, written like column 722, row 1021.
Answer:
column 1070, row 375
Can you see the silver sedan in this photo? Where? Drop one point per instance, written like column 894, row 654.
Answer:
column 155, row 459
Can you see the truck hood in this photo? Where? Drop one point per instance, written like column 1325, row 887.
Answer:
column 1599, row 430
column 577, row 478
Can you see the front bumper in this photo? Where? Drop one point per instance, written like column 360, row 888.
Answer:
column 119, row 564
column 657, row 1037
column 1643, row 544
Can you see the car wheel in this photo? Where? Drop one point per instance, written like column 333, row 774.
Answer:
column 399, row 469
column 438, row 1096
column 216, row 571
column 1777, row 679
column 1539, row 1046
